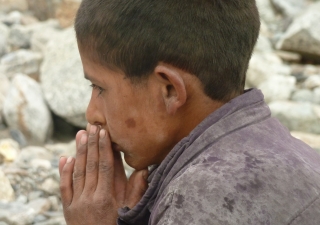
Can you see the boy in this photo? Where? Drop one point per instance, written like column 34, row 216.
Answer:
column 168, row 91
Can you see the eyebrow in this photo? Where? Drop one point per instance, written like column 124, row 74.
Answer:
column 87, row 77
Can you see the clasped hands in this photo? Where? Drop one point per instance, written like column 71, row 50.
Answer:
column 94, row 185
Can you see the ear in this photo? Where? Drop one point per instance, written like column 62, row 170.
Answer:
column 173, row 88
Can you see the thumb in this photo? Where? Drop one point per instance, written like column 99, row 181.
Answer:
column 136, row 188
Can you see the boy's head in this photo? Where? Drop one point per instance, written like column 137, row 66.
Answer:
column 159, row 67
column 212, row 39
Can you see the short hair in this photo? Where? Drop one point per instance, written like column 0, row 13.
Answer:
column 211, row 39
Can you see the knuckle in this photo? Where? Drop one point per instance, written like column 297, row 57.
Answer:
column 78, row 175
column 91, row 166
column 105, row 167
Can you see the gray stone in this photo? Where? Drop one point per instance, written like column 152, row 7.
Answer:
column 289, row 8
column 39, row 205
column 41, row 37
column 302, row 95
column 4, row 87
column 4, row 33
column 312, row 82
column 6, row 191
column 26, row 110
column 277, row 88
column 263, row 44
column 16, row 213
column 298, row 116
column 12, row 18
column 21, row 61
column 264, row 66
column 27, row 154
column 65, row 89
column 303, row 35
column 50, row 186
column 19, row 36
column 266, row 11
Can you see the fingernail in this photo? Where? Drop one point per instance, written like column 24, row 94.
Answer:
column 84, row 139
column 102, row 133
column 69, row 160
column 93, row 129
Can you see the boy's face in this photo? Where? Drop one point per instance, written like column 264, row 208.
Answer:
column 134, row 115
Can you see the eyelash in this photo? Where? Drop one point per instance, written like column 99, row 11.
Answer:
column 100, row 89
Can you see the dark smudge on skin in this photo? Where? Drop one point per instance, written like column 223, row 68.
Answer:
column 131, row 123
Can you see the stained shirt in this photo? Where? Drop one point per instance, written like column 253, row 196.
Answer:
column 239, row 166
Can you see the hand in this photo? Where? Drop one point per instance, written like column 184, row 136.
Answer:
column 94, row 185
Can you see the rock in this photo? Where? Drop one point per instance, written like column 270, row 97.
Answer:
column 303, row 95
column 62, row 149
column 54, row 202
column 310, row 139
column 4, row 33
column 257, row 72
column 4, row 87
column 66, row 12
column 30, row 153
column 35, row 195
column 41, row 37
column 50, row 186
column 26, row 110
column 16, row 213
column 9, row 150
column 19, row 37
column 21, row 61
column 11, row 5
column 6, row 191
column 277, row 88
column 39, row 205
column 289, row 8
column 289, row 56
column 40, row 163
column 266, row 11
column 43, row 9
column 53, row 221
column 303, row 35
column 263, row 45
column 12, row 18
column 316, row 95
column 312, row 82
column 298, row 116
column 65, row 89
column 22, row 199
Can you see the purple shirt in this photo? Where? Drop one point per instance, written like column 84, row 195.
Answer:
column 239, row 166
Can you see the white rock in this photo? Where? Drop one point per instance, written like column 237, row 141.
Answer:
column 303, row 95
column 12, row 18
column 290, row 8
column 4, row 87
column 263, row 44
column 21, row 61
column 16, row 213
column 277, row 88
column 65, row 89
column 298, row 116
column 50, row 186
column 264, row 66
column 39, row 205
column 303, row 35
column 266, row 11
column 310, row 139
column 30, row 153
column 19, row 36
column 10, row 5
column 316, row 95
column 6, row 191
column 312, row 82
column 25, row 109
column 9, row 149
column 40, row 163
column 41, row 37
column 4, row 33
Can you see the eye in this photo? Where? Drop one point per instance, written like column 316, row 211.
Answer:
column 100, row 89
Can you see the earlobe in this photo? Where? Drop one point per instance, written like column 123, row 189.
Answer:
column 173, row 88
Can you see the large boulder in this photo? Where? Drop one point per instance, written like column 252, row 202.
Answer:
column 298, row 116
column 21, row 61
column 303, row 35
column 62, row 80
column 25, row 110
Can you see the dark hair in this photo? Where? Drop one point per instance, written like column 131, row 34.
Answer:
column 212, row 39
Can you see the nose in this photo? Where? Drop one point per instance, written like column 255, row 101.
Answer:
column 94, row 113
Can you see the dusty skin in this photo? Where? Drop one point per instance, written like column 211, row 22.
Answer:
column 93, row 185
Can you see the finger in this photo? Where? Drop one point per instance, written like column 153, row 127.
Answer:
column 106, row 163
column 62, row 162
column 92, row 160
column 137, row 186
column 66, row 182
column 79, row 172
column 120, row 178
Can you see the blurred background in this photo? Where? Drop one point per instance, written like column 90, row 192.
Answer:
column 43, row 96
